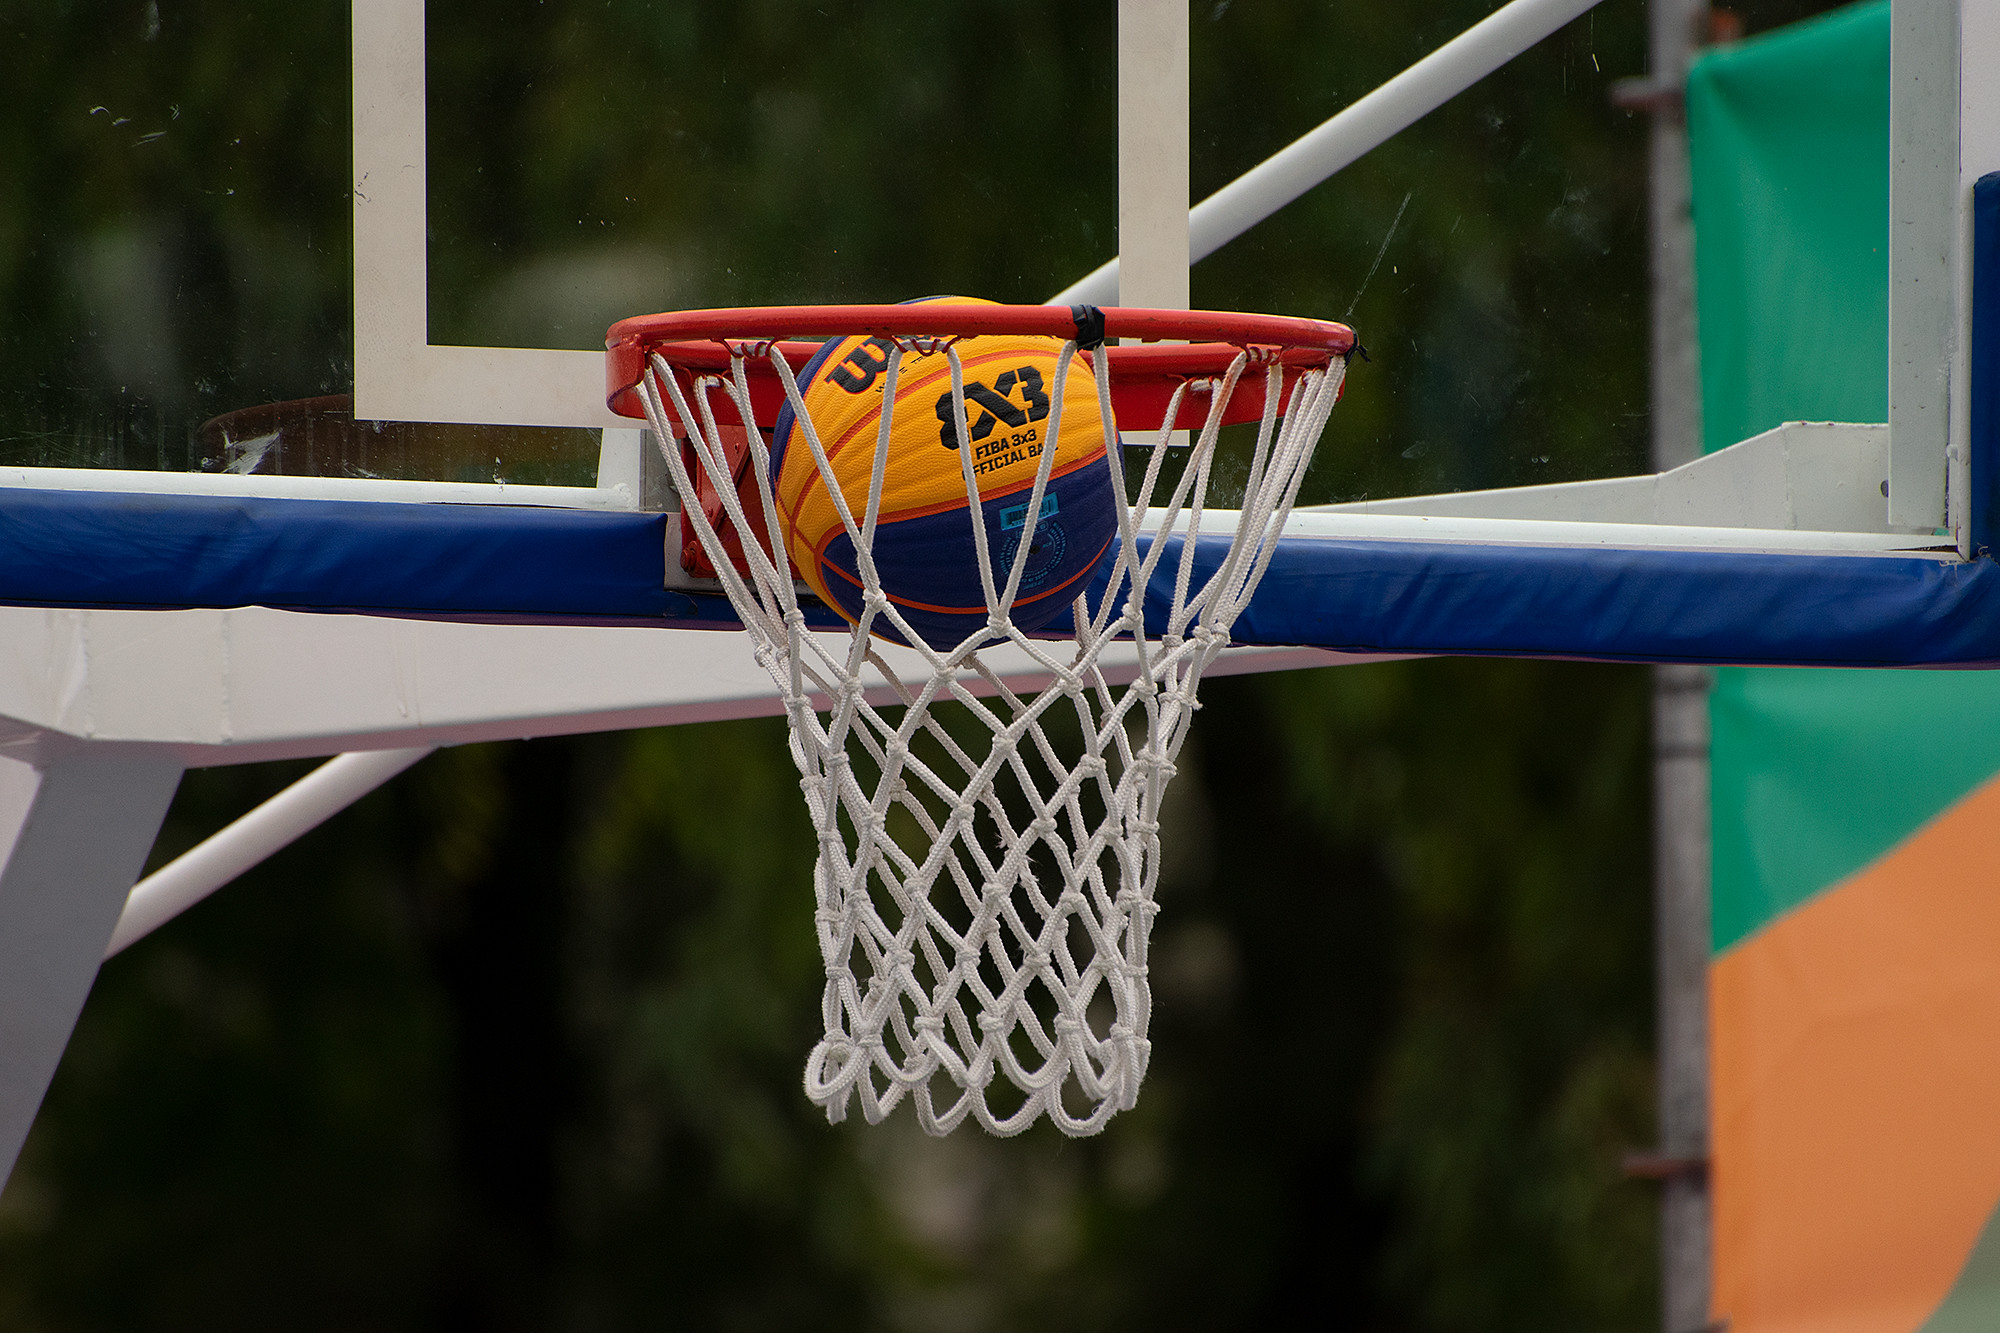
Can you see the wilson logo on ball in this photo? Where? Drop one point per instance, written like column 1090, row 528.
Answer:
column 857, row 370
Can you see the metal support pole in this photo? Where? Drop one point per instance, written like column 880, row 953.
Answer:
column 1676, row 346
column 1153, row 157
column 1153, row 153
column 73, row 836
column 1924, row 206
column 1680, row 710
column 1381, row 114
column 1681, row 951
column 272, row 826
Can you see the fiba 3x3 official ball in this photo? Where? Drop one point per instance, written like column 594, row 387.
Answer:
column 924, row 547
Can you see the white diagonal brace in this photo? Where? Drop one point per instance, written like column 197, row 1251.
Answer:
column 276, row 824
column 1391, row 108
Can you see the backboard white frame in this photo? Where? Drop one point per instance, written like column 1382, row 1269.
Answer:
column 399, row 374
column 1944, row 112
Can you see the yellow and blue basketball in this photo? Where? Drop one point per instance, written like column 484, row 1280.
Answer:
column 923, row 544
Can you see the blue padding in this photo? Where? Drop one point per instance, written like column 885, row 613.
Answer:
column 1984, row 425
column 95, row 548
column 1621, row 605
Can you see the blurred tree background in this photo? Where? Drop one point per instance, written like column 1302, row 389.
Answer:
column 515, row 1043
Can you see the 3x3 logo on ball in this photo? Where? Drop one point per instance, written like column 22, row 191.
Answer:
column 993, row 404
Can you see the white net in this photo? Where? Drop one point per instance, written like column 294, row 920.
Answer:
column 987, row 857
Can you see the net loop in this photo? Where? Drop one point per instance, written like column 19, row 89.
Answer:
column 989, row 853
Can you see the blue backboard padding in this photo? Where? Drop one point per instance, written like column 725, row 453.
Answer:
column 1984, row 423
column 1646, row 605
column 94, row 548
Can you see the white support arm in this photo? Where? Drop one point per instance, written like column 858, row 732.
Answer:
column 278, row 822
column 1391, row 108
column 74, row 829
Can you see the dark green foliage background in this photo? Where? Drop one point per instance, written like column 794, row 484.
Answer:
column 515, row 1043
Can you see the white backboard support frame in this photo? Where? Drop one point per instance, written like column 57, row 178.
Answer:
column 399, row 374
column 1945, row 133
column 1944, row 127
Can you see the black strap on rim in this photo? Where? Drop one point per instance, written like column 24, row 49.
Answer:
column 1089, row 327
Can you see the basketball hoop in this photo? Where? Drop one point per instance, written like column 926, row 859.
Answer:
column 987, row 859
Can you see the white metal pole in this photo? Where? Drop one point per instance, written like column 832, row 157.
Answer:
column 1153, row 153
column 1153, row 157
column 72, row 835
column 1391, row 108
column 1924, row 200
column 278, row 822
